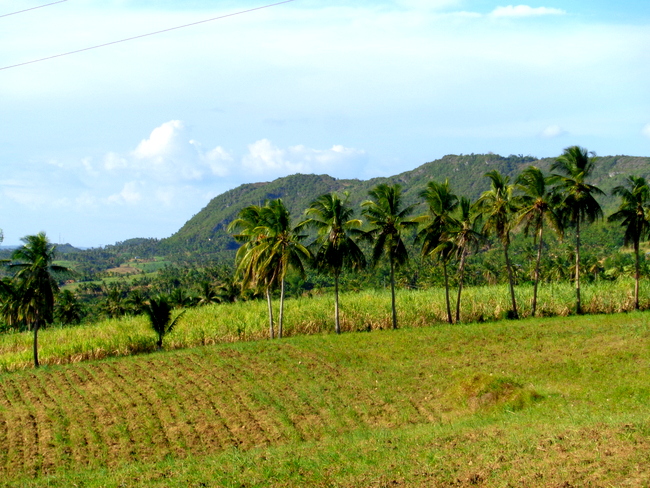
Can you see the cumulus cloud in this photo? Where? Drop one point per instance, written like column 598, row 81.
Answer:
column 265, row 159
column 525, row 11
column 553, row 131
column 168, row 155
column 646, row 130
column 129, row 194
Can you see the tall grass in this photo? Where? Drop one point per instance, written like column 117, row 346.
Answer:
column 247, row 321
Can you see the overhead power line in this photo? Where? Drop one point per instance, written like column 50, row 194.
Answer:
column 145, row 35
column 33, row 8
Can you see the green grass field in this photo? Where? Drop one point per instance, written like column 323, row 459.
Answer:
column 558, row 401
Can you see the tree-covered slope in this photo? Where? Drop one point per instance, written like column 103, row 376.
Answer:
column 206, row 231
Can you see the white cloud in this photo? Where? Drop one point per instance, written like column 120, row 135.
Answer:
column 646, row 130
column 553, row 131
column 129, row 194
column 162, row 142
column 525, row 11
column 265, row 159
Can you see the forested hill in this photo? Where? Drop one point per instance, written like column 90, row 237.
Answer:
column 205, row 233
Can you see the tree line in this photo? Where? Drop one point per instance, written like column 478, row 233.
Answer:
column 452, row 228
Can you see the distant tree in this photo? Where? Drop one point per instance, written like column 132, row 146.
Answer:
column 67, row 308
column 207, row 294
column 388, row 220
column 136, row 301
column 538, row 204
column 335, row 247
column 10, row 303
column 37, row 285
column 497, row 207
column 159, row 311
column 634, row 215
column 579, row 204
column 436, row 226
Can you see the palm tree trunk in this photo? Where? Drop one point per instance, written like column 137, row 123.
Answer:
column 577, row 274
column 392, row 293
column 637, row 275
column 36, row 327
column 511, row 281
column 444, row 271
column 461, row 272
column 537, row 264
column 336, row 303
column 281, row 316
column 268, row 300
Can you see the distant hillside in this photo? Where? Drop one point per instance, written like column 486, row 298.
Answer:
column 205, row 232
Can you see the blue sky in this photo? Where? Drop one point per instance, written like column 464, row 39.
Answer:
column 133, row 139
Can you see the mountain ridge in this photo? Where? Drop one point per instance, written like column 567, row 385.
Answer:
column 205, row 233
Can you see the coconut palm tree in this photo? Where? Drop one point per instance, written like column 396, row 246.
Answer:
column 335, row 247
column 248, row 230
column 579, row 204
column 280, row 250
column 497, row 208
column 436, row 225
column 634, row 215
column 68, row 310
column 388, row 220
column 272, row 247
column 466, row 238
column 159, row 311
column 36, row 271
column 538, row 204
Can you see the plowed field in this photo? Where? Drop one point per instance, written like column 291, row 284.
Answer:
column 311, row 391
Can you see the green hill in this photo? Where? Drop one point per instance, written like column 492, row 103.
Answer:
column 537, row 403
column 205, row 232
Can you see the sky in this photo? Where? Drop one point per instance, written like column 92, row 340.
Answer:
column 133, row 139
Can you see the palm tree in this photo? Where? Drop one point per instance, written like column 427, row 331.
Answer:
column 280, row 250
column 272, row 246
column 207, row 294
column 497, row 207
column 539, row 204
column 335, row 247
column 634, row 213
column 68, row 310
column 388, row 220
column 249, row 232
column 466, row 239
column 437, row 225
column 159, row 311
column 579, row 204
column 36, row 271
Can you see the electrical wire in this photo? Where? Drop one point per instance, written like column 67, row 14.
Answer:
column 145, row 35
column 33, row 8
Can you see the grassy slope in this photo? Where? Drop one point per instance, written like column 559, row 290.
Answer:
column 437, row 406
